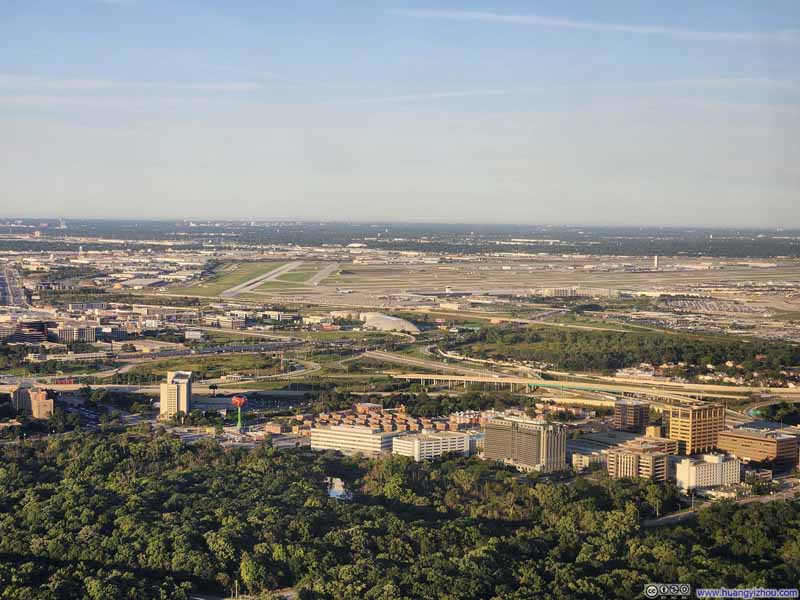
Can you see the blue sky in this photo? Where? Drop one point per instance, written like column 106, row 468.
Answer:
column 543, row 112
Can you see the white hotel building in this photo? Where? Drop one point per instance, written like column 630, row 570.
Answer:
column 426, row 446
column 711, row 470
column 352, row 439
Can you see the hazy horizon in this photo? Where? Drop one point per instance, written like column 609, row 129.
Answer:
column 676, row 115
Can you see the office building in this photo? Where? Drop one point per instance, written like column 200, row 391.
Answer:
column 711, row 470
column 582, row 461
column 659, row 444
column 526, row 444
column 33, row 402
column 176, row 394
column 778, row 450
column 69, row 334
column 631, row 415
column 695, row 426
column 353, row 439
column 224, row 321
column 653, row 431
column 427, row 446
column 633, row 462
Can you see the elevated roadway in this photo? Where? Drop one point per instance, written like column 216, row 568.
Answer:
column 527, row 384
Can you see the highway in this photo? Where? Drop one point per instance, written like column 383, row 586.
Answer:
column 427, row 364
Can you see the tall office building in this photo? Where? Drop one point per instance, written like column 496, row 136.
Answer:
column 176, row 394
column 526, row 444
column 631, row 415
column 695, row 426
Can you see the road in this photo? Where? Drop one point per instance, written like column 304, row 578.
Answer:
column 322, row 275
column 11, row 293
column 679, row 517
column 434, row 365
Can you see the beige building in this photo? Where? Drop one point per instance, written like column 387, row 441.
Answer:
column 529, row 445
column 695, row 427
column 633, row 462
column 581, row 461
column 426, row 446
column 176, row 394
column 755, row 445
column 631, row 415
column 33, row 402
column 352, row 439
column 712, row 470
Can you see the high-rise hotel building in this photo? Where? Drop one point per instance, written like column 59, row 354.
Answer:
column 529, row 445
column 176, row 394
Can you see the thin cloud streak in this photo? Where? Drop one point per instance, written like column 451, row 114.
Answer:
column 421, row 97
column 17, row 82
column 786, row 37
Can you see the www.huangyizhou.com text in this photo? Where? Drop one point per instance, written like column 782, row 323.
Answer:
column 746, row 593
column 684, row 590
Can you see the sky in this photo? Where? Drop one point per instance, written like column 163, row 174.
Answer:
column 606, row 112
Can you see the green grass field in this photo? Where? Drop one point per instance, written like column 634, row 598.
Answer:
column 297, row 276
column 208, row 367
column 226, row 278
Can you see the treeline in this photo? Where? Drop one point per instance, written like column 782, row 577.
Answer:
column 139, row 515
column 787, row 413
column 607, row 350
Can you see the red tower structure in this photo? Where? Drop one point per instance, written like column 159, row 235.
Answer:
column 239, row 402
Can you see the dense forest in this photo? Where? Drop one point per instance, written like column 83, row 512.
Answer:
column 577, row 350
column 139, row 515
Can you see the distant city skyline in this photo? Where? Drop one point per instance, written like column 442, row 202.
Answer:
column 601, row 114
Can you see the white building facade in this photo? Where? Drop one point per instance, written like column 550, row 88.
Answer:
column 427, row 446
column 352, row 439
column 712, row 470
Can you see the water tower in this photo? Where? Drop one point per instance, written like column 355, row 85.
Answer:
column 239, row 402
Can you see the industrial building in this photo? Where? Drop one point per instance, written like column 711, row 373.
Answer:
column 711, row 470
column 426, row 446
column 775, row 449
column 526, row 444
column 695, row 426
column 352, row 439
column 631, row 415
column 176, row 394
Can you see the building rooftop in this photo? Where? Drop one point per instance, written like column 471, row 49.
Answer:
column 757, row 434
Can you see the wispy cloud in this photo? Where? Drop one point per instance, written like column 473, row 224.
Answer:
column 787, row 37
column 421, row 97
column 21, row 82
column 752, row 82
